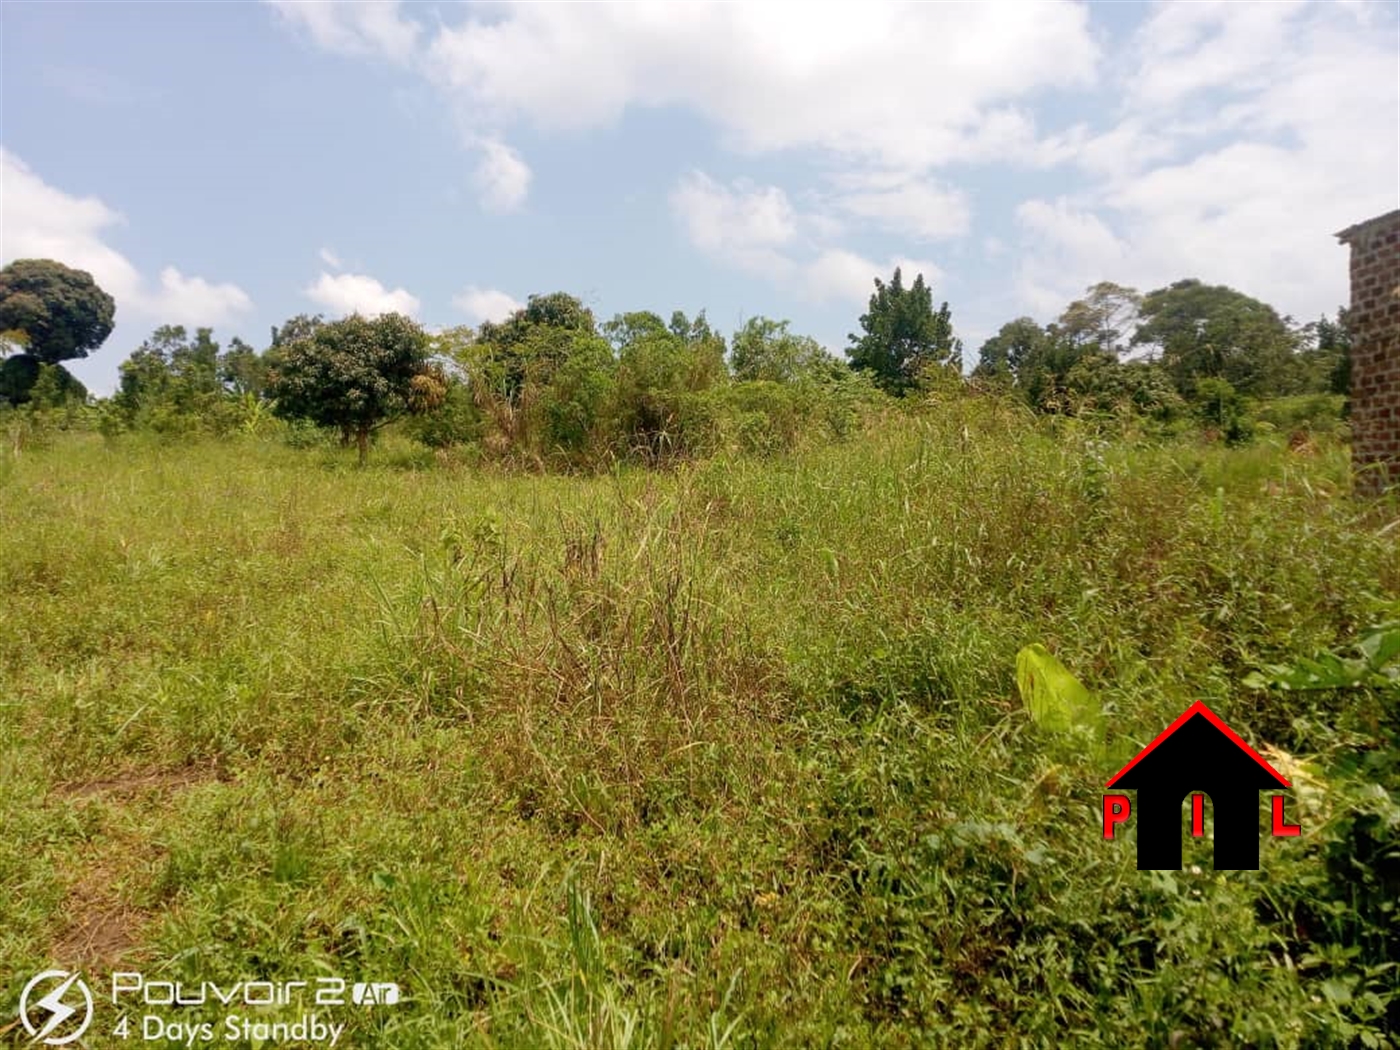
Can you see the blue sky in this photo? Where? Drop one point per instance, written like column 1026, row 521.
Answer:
column 233, row 164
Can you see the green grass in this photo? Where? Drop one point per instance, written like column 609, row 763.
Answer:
column 727, row 756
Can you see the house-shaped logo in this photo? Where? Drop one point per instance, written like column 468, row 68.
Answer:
column 1200, row 754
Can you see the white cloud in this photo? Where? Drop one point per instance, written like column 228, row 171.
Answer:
column 350, row 293
column 744, row 225
column 330, row 259
column 854, row 80
column 757, row 230
column 1239, row 136
column 39, row 221
column 485, row 304
column 1187, row 49
column 848, row 277
column 354, row 27
column 502, row 177
column 193, row 301
column 1069, row 249
column 920, row 209
column 1248, row 134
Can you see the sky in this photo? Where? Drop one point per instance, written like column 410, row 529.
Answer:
column 234, row 164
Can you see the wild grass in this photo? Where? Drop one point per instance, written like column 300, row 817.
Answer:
column 723, row 756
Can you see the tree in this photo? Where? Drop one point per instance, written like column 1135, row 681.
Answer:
column 13, row 341
column 25, row 379
column 1103, row 320
column 355, row 374
column 1017, row 344
column 1221, row 408
column 49, row 313
column 661, row 372
column 534, row 340
column 144, row 380
column 765, row 349
column 903, row 335
column 62, row 311
column 301, row 326
column 173, row 371
column 1334, row 337
column 1324, row 365
column 242, row 372
column 1215, row 332
column 54, row 387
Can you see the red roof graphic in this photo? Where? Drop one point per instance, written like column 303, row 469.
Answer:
column 1199, row 708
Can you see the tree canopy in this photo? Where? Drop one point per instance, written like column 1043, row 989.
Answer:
column 533, row 341
column 1216, row 332
column 765, row 349
column 61, row 311
column 1103, row 320
column 1007, row 353
column 355, row 374
column 903, row 335
column 550, row 386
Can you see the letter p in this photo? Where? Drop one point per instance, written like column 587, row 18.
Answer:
column 1116, row 809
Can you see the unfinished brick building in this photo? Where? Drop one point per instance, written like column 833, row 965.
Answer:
column 1374, row 322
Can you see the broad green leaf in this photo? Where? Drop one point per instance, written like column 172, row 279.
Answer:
column 1379, row 666
column 1381, row 645
column 1056, row 700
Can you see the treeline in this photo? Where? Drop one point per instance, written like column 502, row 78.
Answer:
column 548, row 388
column 552, row 388
column 1189, row 349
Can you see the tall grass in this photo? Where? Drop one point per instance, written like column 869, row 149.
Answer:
column 728, row 755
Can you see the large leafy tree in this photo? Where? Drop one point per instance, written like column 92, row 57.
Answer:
column 51, row 313
column 1099, row 382
column 301, row 326
column 1089, row 336
column 25, row 379
column 1037, row 360
column 241, row 370
column 1324, row 365
column 1216, row 332
column 1103, row 320
column 174, row 370
column 61, row 311
column 532, row 342
column 903, row 335
column 1005, row 355
column 354, row 375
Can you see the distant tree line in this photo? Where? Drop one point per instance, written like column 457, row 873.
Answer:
column 1188, row 347
column 550, row 386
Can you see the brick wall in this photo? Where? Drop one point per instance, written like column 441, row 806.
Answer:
column 1374, row 322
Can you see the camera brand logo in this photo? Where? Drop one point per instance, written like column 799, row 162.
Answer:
column 1197, row 753
column 52, row 1011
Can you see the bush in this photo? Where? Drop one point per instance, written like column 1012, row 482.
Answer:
column 1223, row 410
column 1314, row 413
column 456, row 421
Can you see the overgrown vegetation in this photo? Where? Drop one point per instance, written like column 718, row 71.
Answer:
column 551, row 389
column 730, row 753
column 726, row 755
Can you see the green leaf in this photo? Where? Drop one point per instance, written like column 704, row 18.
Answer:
column 1056, row 700
column 1380, row 645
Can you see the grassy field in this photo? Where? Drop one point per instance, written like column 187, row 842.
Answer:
column 725, row 756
